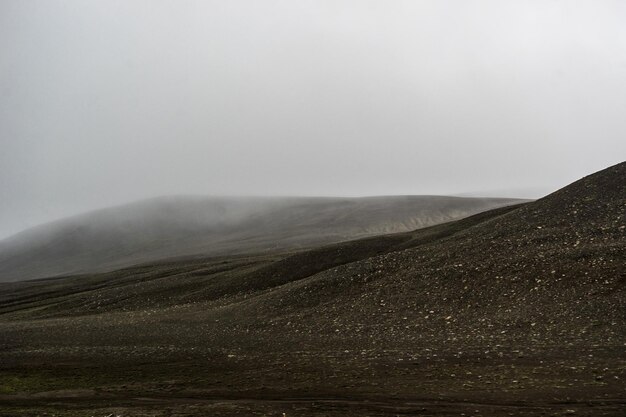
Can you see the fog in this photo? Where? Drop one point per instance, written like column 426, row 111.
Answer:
column 105, row 102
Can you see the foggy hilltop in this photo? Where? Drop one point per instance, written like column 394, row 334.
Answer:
column 200, row 226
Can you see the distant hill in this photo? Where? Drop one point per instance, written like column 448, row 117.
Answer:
column 160, row 228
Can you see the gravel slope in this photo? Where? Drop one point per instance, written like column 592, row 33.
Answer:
column 516, row 311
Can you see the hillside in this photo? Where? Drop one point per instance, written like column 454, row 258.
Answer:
column 151, row 230
column 514, row 311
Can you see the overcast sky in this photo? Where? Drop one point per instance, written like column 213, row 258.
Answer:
column 104, row 102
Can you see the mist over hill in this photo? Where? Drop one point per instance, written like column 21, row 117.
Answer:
column 186, row 226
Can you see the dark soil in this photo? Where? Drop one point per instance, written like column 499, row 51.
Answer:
column 519, row 311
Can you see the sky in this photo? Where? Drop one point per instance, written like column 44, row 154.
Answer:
column 106, row 102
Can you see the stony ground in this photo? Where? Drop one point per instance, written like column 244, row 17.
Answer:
column 517, row 311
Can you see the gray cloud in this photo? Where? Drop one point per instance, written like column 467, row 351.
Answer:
column 103, row 102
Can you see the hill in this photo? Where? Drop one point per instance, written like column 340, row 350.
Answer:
column 151, row 230
column 513, row 311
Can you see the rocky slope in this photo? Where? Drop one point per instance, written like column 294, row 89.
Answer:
column 514, row 311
